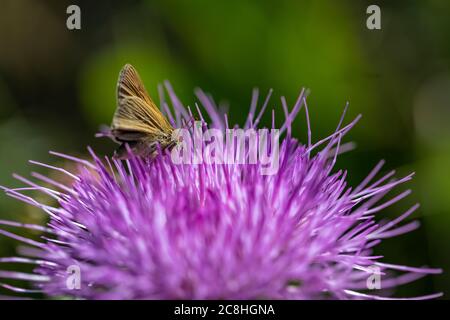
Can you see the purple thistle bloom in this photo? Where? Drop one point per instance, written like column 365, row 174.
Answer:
column 151, row 229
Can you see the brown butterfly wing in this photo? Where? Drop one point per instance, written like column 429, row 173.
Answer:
column 130, row 84
column 137, row 121
column 133, row 114
column 136, row 114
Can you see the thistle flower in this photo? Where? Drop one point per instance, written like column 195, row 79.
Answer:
column 152, row 229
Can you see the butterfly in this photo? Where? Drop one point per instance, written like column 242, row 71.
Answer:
column 137, row 121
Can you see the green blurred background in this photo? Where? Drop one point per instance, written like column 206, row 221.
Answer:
column 57, row 86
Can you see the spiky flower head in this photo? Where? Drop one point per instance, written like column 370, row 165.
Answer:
column 152, row 229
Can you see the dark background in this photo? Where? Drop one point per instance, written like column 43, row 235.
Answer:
column 57, row 86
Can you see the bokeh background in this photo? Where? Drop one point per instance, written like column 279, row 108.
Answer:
column 58, row 86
